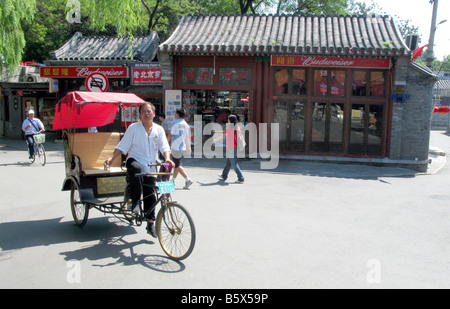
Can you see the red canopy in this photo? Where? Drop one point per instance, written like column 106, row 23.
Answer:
column 83, row 109
column 443, row 110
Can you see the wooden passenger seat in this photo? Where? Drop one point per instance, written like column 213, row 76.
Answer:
column 93, row 149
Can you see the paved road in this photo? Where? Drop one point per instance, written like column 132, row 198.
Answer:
column 304, row 225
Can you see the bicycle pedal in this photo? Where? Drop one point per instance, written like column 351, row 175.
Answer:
column 138, row 221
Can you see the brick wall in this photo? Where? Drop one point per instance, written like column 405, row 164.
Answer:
column 411, row 120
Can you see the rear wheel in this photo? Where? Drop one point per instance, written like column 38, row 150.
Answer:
column 80, row 210
column 176, row 231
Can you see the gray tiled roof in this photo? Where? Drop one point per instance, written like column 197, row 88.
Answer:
column 442, row 84
column 373, row 35
column 80, row 47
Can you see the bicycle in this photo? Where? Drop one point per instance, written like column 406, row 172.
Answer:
column 38, row 148
column 174, row 225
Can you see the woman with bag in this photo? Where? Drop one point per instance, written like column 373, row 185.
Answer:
column 232, row 133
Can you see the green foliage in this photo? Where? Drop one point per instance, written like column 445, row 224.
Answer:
column 327, row 7
column 443, row 65
column 14, row 13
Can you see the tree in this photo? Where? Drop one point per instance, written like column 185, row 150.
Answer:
column 443, row 65
column 13, row 14
column 331, row 7
column 406, row 27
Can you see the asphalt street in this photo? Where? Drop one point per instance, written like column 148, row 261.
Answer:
column 302, row 225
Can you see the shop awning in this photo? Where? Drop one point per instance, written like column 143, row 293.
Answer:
column 241, row 35
column 83, row 109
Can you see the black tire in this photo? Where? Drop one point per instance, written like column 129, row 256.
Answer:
column 176, row 231
column 80, row 210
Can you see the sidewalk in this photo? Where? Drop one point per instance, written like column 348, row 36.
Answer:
column 437, row 158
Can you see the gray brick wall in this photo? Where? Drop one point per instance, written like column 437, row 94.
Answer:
column 411, row 120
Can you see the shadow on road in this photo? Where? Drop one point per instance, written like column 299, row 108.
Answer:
column 110, row 238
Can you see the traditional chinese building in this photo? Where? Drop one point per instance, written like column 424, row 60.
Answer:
column 341, row 88
column 107, row 64
column 21, row 90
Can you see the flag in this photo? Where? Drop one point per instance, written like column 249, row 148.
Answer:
column 418, row 52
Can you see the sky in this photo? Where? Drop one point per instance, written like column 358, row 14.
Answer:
column 420, row 13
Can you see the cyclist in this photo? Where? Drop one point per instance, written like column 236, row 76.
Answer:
column 30, row 127
column 141, row 142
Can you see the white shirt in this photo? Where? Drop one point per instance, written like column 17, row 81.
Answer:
column 180, row 132
column 142, row 147
column 32, row 130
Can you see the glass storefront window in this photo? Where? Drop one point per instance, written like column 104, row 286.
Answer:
column 47, row 112
column 377, row 84
column 357, row 125
column 375, row 129
column 338, row 83
column 327, row 127
column 281, row 81
column 366, row 129
column 299, row 82
column 291, row 119
column 320, row 82
column 359, row 84
column 215, row 106
column 290, row 81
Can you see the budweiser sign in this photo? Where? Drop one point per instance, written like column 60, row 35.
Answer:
column 310, row 61
column 83, row 72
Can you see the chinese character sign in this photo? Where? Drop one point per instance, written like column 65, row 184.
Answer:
column 130, row 115
column 235, row 76
column 198, row 76
column 146, row 76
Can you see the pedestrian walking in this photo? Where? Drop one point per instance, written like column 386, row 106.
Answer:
column 180, row 140
column 232, row 132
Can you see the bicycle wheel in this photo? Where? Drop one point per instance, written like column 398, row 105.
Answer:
column 41, row 153
column 176, row 231
column 80, row 210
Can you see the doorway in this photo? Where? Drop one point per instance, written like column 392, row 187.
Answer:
column 327, row 127
column 290, row 115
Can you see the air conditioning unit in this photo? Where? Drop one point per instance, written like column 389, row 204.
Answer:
column 31, row 78
column 412, row 41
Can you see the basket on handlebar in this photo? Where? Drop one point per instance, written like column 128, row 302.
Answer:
column 39, row 138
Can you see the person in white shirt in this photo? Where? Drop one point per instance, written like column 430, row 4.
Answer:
column 180, row 139
column 141, row 142
column 30, row 127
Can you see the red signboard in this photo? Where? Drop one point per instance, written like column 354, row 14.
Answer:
column 146, row 76
column 83, row 72
column 310, row 61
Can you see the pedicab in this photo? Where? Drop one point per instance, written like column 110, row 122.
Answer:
column 92, row 186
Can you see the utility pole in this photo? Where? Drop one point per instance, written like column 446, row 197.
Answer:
column 430, row 52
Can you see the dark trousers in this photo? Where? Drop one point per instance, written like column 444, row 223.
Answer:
column 133, row 168
column 30, row 140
